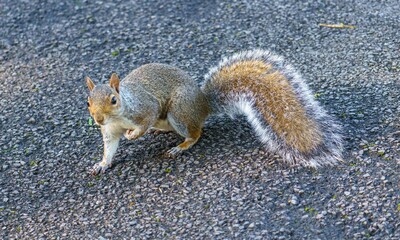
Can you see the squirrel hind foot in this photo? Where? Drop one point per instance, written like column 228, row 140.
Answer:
column 173, row 152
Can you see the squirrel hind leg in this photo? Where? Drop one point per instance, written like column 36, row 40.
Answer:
column 194, row 135
column 186, row 118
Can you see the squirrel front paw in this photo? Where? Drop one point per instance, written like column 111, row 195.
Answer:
column 99, row 167
column 129, row 134
column 134, row 134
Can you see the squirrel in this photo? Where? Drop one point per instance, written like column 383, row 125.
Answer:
column 258, row 84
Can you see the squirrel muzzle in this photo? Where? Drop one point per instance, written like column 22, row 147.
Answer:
column 99, row 119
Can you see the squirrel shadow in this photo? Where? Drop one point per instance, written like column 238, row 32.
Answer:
column 223, row 140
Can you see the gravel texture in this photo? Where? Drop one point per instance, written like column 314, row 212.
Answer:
column 226, row 186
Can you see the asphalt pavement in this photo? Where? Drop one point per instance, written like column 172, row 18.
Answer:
column 227, row 186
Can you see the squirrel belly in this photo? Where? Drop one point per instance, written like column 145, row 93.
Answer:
column 278, row 105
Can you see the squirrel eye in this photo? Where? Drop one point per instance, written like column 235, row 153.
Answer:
column 88, row 103
column 113, row 100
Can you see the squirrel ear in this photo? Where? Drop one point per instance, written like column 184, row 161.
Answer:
column 114, row 82
column 89, row 83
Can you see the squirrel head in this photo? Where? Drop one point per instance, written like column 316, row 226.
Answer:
column 104, row 100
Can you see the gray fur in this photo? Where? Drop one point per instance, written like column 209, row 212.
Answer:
column 167, row 92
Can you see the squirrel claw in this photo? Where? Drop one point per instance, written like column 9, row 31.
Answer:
column 173, row 152
column 97, row 168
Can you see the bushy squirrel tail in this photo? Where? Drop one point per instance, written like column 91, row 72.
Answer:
column 279, row 106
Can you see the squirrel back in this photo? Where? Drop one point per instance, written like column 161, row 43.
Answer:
column 162, row 84
column 278, row 104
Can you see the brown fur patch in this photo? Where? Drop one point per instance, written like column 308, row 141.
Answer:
column 89, row 83
column 114, row 82
column 276, row 100
column 104, row 107
column 194, row 135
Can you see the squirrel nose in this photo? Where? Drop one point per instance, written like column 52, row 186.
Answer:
column 99, row 119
